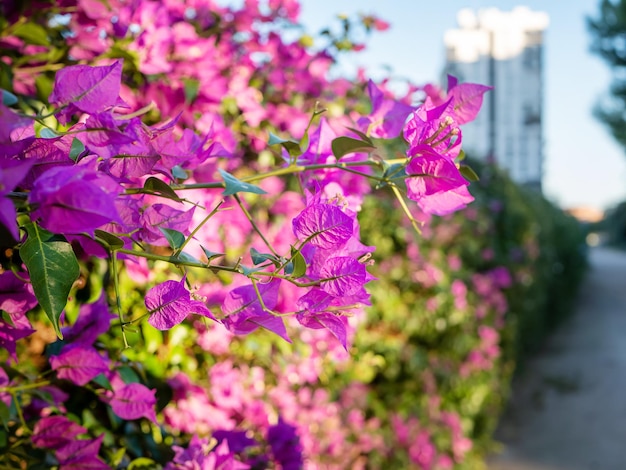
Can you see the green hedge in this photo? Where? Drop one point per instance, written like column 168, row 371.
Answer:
column 421, row 352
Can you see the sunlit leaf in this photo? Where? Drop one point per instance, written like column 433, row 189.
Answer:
column 258, row 257
column 173, row 237
column 53, row 268
column 109, row 239
column 234, row 185
column 468, row 173
column 76, row 149
column 211, row 254
column 344, row 145
column 362, row 135
column 161, row 188
column 8, row 98
column 293, row 148
column 32, row 33
column 299, row 264
column 142, row 463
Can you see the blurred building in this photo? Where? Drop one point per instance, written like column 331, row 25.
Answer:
column 504, row 50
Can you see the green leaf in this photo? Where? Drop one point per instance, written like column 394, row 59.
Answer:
column 397, row 170
column 117, row 456
column 299, row 264
column 76, row 149
column 8, row 98
column 344, row 145
column 292, row 147
column 109, row 240
column 32, row 33
column 185, row 257
column 152, row 338
column 211, row 254
column 47, row 133
column 5, row 415
column 55, row 54
column 53, row 268
column 128, row 375
column 248, row 271
column 161, row 188
column 461, row 156
column 179, row 173
column 468, row 173
column 142, row 463
column 44, row 86
column 174, row 237
column 304, row 142
column 234, row 185
column 364, row 137
column 119, row 50
column 192, row 87
column 54, row 349
column 6, row 76
column 101, row 380
column 258, row 258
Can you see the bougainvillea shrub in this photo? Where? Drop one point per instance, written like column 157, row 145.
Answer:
column 183, row 276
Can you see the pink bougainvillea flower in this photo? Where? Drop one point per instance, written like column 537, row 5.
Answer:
column 244, row 313
column 12, row 172
column 336, row 324
column 188, row 151
column 107, row 136
column 438, row 187
column 134, row 401
column 343, row 276
column 44, row 155
column 199, row 454
column 238, row 441
column 9, row 335
column 285, row 445
column 93, row 320
column 467, row 100
column 169, row 304
column 323, row 225
column 78, row 364
column 87, row 89
column 447, row 202
column 164, row 216
column 4, row 382
column 16, row 296
column 74, row 199
column 315, row 311
column 331, row 181
column 319, row 149
column 81, row 454
column 10, row 122
column 436, row 128
column 387, row 117
column 54, row 432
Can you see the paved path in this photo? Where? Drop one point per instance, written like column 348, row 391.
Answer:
column 568, row 409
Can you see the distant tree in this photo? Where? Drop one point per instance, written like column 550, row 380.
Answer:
column 608, row 30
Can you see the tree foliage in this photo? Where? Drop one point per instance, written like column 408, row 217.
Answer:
column 608, row 30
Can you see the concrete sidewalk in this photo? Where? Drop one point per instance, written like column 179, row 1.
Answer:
column 568, row 408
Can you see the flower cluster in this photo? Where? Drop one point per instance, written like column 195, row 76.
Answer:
column 141, row 165
column 434, row 141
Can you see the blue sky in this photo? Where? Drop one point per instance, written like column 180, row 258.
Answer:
column 583, row 165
